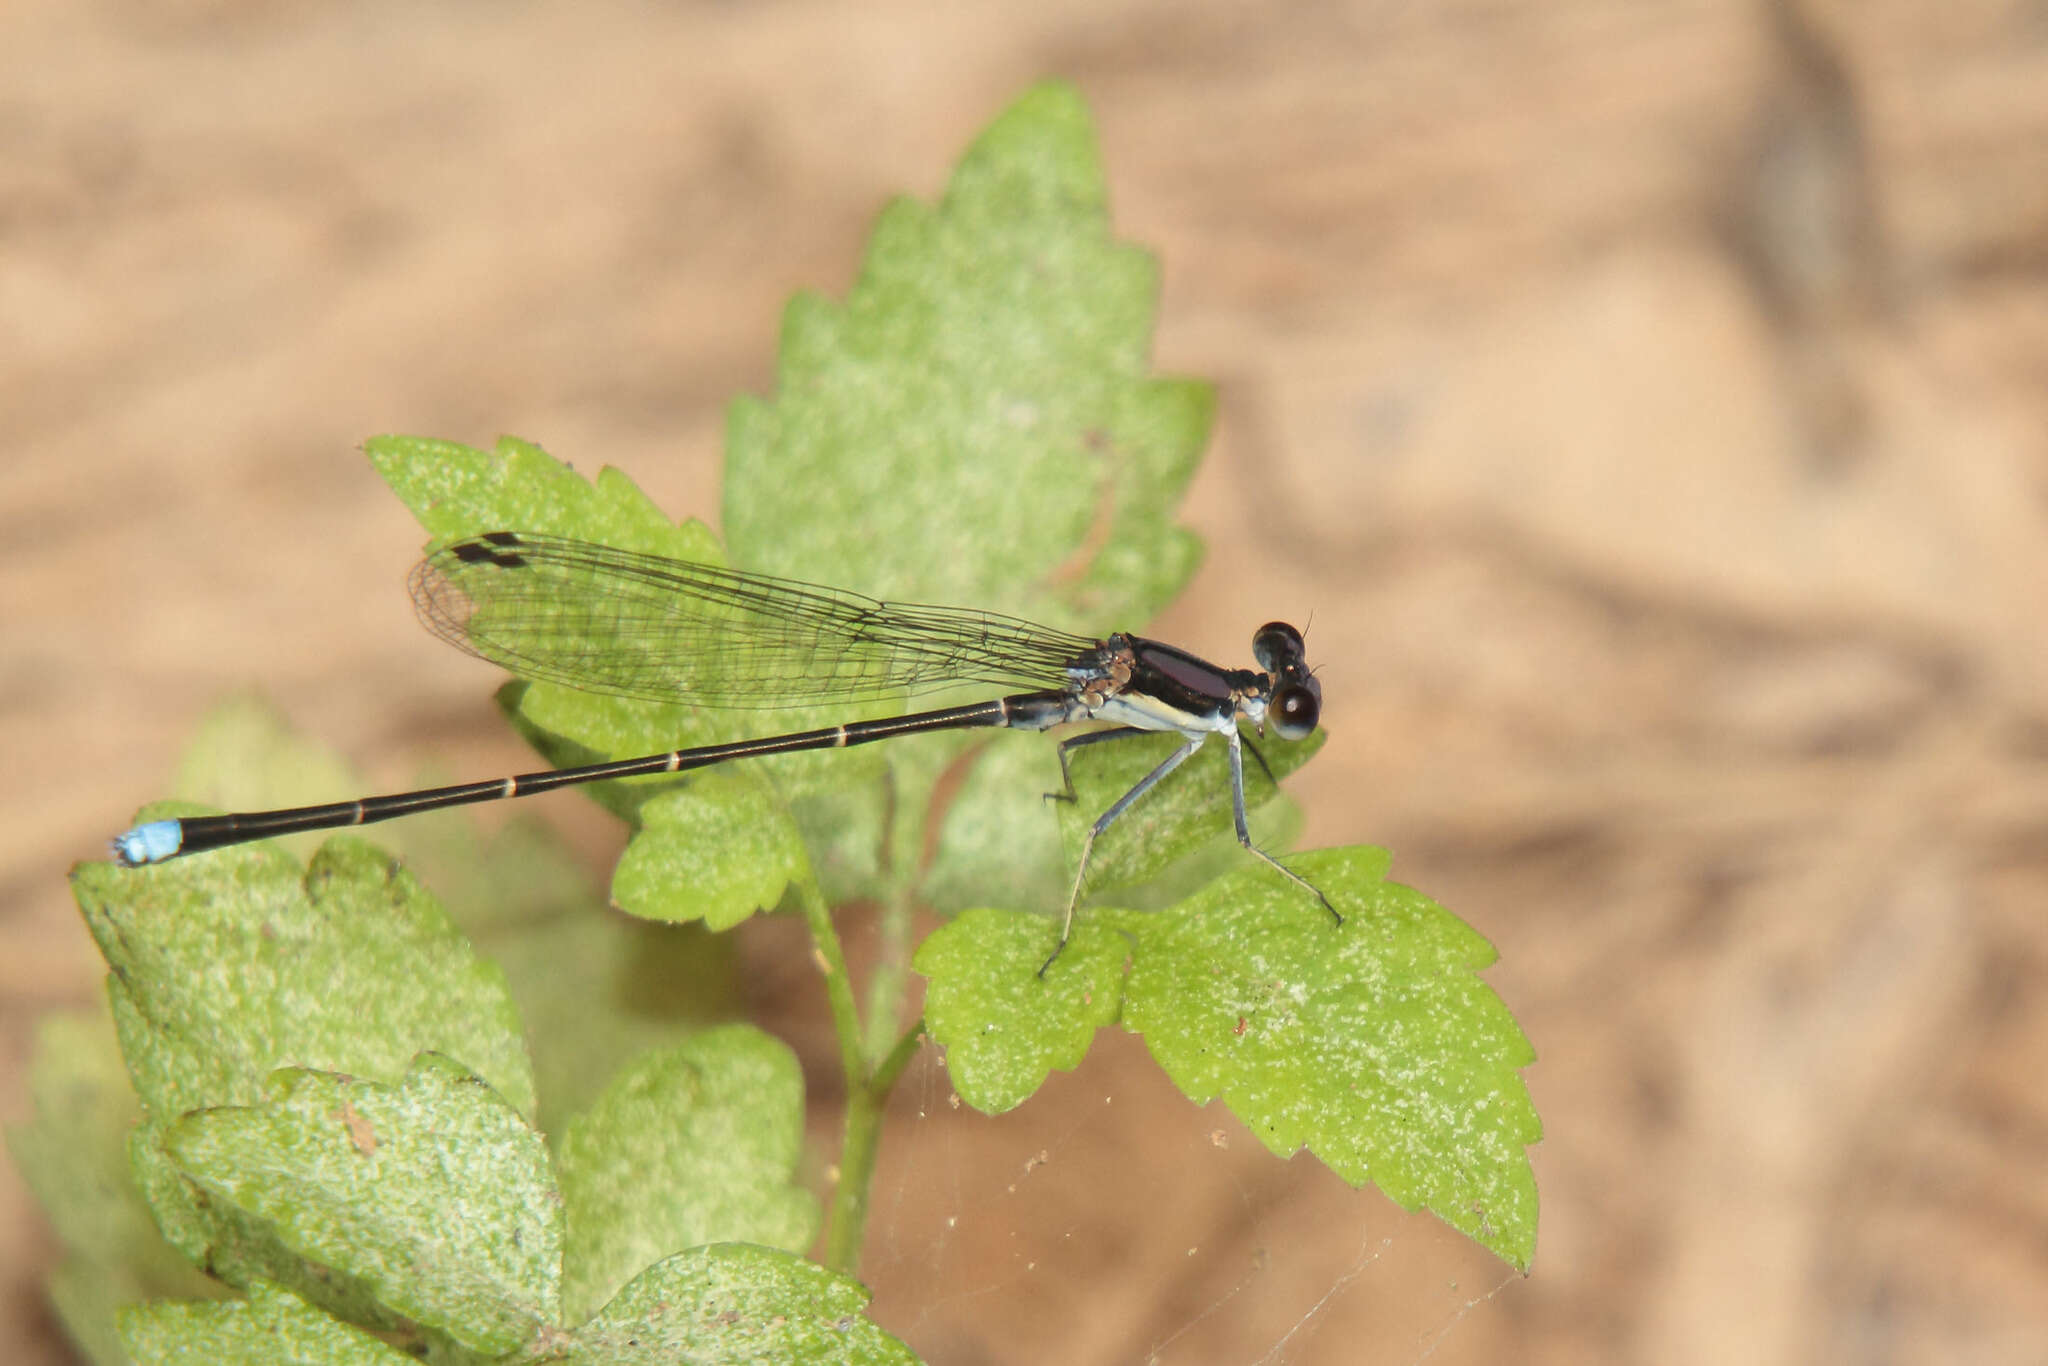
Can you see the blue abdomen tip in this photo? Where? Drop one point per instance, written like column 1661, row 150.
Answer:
column 151, row 843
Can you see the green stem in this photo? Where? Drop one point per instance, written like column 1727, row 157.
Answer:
column 886, row 1073
column 864, row 1106
column 838, row 986
column 892, row 965
column 867, row 1088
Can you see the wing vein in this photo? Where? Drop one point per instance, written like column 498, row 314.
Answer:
column 613, row 621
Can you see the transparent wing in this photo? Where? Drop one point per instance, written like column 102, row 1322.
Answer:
column 612, row 621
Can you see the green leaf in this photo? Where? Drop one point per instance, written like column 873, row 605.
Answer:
column 975, row 424
column 72, row 1153
column 1276, row 826
column 593, row 987
column 844, row 832
column 718, row 851
column 74, row 1156
column 736, row 1304
column 229, row 966
column 597, row 988
column 1001, row 831
column 693, row 1144
column 231, row 1244
column 456, row 490
column 273, row 1327
column 434, row 1193
column 1373, row 1044
column 1003, row 1026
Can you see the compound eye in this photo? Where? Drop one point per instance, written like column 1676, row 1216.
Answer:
column 1293, row 711
column 1277, row 646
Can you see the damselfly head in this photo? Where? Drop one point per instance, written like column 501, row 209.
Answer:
column 1297, row 699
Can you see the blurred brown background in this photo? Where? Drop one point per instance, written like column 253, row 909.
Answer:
column 1648, row 401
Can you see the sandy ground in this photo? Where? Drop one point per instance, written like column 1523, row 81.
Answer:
column 1649, row 402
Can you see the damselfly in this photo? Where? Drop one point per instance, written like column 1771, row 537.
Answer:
column 611, row 621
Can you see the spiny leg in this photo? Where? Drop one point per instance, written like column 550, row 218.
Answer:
column 1066, row 793
column 1107, row 819
column 1264, row 767
column 1244, row 833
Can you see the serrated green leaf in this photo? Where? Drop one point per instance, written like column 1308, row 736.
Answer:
column 737, row 1305
column 717, row 851
column 233, row 1245
column 692, row 1144
column 593, row 987
column 1003, row 1026
column 456, row 490
column 272, row 1327
column 1374, row 1045
column 975, row 425
column 435, row 1193
column 229, row 966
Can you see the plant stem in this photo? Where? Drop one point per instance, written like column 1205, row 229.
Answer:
column 883, row 1080
column 864, row 1106
column 867, row 1088
column 838, row 986
column 892, row 962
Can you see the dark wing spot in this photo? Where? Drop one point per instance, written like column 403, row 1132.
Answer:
column 484, row 550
